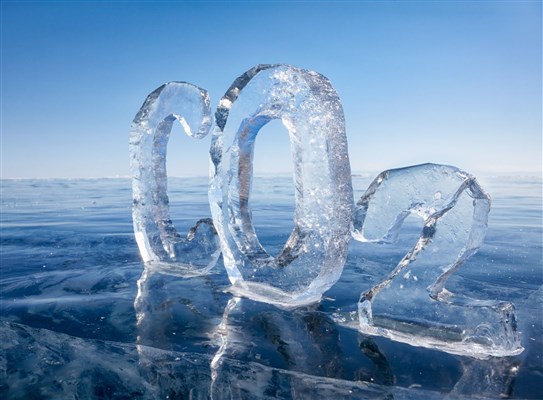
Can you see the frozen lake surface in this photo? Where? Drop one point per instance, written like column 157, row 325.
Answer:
column 69, row 280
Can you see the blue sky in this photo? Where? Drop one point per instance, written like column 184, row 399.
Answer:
column 448, row 82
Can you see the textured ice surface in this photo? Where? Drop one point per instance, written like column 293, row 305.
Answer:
column 412, row 305
column 39, row 363
column 157, row 238
column 313, row 257
column 44, row 364
column 68, row 325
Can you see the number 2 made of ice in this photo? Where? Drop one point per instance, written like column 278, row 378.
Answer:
column 412, row 304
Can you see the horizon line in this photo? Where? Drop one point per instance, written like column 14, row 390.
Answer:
column 367, row 173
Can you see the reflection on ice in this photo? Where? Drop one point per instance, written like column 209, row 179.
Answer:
column 194, row 339
column 494, row 378
column 171, row 315
column 63, row 366
column 223, row 336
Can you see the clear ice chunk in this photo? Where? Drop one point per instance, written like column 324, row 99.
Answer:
column 313, row 257
column 157, row 238
column 412, row 305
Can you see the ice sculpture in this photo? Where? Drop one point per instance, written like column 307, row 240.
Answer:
column 155, row 234
column 313, row 257
column 412, row 305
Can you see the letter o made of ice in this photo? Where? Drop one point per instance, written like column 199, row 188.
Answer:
column 313, row 257
column 155, row 234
